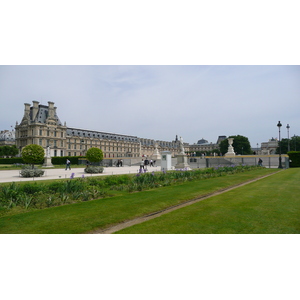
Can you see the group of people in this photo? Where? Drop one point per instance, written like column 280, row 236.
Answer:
column 119, row 163
column 146, row 162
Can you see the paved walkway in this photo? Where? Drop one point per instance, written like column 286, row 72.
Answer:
column 13, row 175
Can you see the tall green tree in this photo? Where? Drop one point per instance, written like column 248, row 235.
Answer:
column 33, row 154
column 240, row 144
column 294, row 145
column 9, row 150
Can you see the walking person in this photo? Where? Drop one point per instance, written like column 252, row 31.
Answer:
column 68, row 165
column 146, row 163
column 142, row 164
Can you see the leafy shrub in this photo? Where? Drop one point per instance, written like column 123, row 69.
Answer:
column 294, row 157
column 32, row 172
column 94, row 155
column 95, row 181
column 94, row 169
column 29, row 188
column 33, row 154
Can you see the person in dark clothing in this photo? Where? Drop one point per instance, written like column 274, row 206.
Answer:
column 68, row 165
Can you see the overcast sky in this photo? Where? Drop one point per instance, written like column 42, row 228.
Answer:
column 160, row 102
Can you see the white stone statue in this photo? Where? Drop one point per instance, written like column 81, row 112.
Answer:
column 181, row 146
column 48, row 152
column 230, row 148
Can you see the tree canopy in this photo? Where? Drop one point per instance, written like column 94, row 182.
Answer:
column 8, row 150
column 33, row 154
column 294, row 144
column 94, row 154
column 240, row 144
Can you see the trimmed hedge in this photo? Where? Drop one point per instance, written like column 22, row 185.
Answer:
column 11, row 161
column 294, row 157
column 61, row 160
column 57, row 160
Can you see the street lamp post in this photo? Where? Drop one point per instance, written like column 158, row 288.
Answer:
column 280, row 164
column 288, row 132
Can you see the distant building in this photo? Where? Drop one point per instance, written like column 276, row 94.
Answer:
column 41, row 125
column 204, row 146
column 269, row 147
column 202, row 141
column 7, row 138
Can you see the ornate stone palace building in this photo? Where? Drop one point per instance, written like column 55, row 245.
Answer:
column 41, row 125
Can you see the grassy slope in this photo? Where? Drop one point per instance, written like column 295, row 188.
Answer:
column 271, row 205
column 85, row 216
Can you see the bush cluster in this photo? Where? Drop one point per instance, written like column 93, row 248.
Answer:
column 28, row 171
column 146, row 180
column 294, row 157
column 94, row 169
column 42, row 195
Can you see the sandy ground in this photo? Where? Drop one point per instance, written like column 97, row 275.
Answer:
column 14, row 175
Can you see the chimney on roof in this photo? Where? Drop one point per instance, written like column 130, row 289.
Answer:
column 35, row 109
column 51, row 110
column 26, row 110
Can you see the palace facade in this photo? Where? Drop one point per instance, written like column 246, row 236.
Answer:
column 41, row 125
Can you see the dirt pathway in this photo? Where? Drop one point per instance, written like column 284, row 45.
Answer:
column 170, row 209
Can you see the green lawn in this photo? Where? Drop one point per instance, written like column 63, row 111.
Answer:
column 268, row 206
column 86, row 216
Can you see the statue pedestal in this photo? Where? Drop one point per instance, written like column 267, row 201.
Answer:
column 230, row 152
column 182, row 162
column 156, row 155
column 47, row 163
